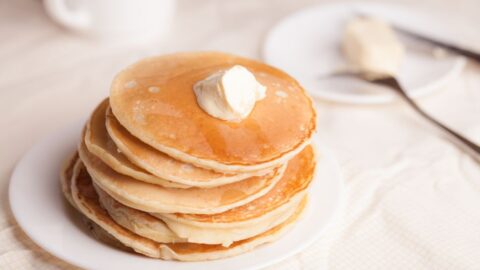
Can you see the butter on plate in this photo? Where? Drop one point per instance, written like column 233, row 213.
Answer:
column 371, row 47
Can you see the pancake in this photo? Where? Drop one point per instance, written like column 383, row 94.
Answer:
column 170, row 120
column 86, row 199
column 136, row 221
column 65, row 176
column 148, row 158
column 154, row 198
column 254, row 215
column 155, row 228
column 100, row 144
column 101, row 235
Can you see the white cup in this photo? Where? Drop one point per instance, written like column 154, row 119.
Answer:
column 131, row 20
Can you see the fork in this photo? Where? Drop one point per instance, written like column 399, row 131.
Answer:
column 391, row 82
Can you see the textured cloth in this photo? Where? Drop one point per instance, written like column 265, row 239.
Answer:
column 412, row 199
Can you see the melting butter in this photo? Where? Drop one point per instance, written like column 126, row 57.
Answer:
column 229, row 94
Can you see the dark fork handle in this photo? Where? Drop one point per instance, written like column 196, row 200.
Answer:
column 470, row 147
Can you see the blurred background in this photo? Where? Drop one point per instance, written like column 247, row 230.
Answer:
column 54, row 71
column 41, row 58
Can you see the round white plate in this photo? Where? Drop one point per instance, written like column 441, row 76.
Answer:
column 306, row 44
column 40, row 209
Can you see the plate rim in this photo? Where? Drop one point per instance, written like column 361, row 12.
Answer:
column 457, row 66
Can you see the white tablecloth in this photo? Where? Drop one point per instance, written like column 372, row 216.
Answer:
column 412, row 199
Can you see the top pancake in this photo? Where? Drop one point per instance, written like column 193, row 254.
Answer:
column 168, row 118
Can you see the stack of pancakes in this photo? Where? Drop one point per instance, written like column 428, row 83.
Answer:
column 160, row 176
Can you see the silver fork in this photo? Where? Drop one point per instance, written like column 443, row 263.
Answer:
column 391, row 82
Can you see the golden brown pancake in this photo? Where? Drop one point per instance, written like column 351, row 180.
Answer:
column 128, row 155
column 100, row 144
column 136, row 221
column 251, row 218
column 296, row 178
column 66, row 175
column 154, row 198
column 155, row 228
column 171, row 121
column 86, row 199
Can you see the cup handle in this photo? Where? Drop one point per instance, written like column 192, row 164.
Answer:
column 74, row 19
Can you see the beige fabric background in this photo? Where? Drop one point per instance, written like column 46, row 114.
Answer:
column 412, row 199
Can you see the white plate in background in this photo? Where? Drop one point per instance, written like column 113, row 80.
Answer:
column 306, row 44
column 41, row 211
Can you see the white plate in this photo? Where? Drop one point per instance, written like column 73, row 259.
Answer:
column 306, row 44
column 40, row 209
